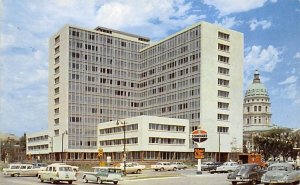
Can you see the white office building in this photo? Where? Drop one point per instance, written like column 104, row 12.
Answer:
column 101, row 75
column 147, row 138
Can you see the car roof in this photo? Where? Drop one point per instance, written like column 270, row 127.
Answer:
column 281, row 164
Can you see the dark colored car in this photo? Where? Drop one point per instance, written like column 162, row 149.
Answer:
column 250, row 173
column 211, row 166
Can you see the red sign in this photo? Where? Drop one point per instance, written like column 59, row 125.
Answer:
column 199, row 153
column 199, row 136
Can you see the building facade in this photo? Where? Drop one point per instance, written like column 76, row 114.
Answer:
column 147, row 138
column 100, row 75
column 257, row 111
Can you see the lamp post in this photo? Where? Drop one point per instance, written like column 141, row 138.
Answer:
column 219, row 146
column 62, row 145
column 124, row 142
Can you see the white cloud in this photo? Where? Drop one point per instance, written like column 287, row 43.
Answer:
column 155, row 17
column 227, row 7
column 289, row 80
column 297, row 55
column 228, row 22
column 262, row 59
column 264, row 24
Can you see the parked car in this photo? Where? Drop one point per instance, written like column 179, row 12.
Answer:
column 208, row 166
column 103, row 174
column 133, row 167
column 226, row 167
column 40, row 166
column 180, row 165
column 164, row 166
column 58, row 172
column 20, row 170
column 251, row 173
column 281, row 173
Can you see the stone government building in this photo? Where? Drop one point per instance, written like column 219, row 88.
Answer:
column 103, row 75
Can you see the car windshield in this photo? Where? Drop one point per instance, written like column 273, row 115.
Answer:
column 114, row 170
column 67, row 169
column 243, row 168
column 281, row 168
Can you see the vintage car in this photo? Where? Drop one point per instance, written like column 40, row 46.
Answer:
column 180, row 165
column 164, row 166
column 250, row 173
column 103, row 174
column 58, row 172
column 208, row 166
column 226, row 167
column 20, row 170
column 133, row 167
column 281, row 173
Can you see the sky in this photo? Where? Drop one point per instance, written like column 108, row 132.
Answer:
column 271, row 31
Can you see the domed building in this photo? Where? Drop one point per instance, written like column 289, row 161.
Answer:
column 257, row 111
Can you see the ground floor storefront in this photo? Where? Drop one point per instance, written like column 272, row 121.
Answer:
column 134, row 156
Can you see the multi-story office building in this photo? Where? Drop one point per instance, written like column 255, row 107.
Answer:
column 101, row 75
column 147, row 138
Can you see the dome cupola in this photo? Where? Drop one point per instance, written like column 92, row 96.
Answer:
column 256, row 88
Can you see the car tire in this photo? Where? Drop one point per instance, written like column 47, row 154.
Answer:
column 115, row 182
column 253, row 181
column 266, row 183
column 85, row 180
column 99, row 181
column 139, row 171
column 162, row 169
column 52, row 181
column 174, row 169
column 156, row 169
column 234, row 183
column 70, row 182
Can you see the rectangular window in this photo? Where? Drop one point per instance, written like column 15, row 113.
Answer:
column 223, row 94
column 223, row 47
column 56, row 80
column 56, row 60
column 223, row 36
column 56, row 111
column 223, row 59
column 223, row 105
column 56, row 100
column 223, row 117
column 223, row 82
column 56, row 90
column 57, row 39
column 222, row 129
column 56, row 121
column 56, row 50
column 56, row 70
column 222, row 70
column 56, row 132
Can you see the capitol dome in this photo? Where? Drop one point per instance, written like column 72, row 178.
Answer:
column 256, row 88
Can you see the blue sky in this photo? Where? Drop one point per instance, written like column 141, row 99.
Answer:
column 271, row 41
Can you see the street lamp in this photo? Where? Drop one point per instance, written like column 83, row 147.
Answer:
column 124, row 142
column 62, row 145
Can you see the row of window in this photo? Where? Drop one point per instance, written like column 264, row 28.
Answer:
column 119, row 141
column 257, row 108
column 38, row 138
column 163, row 127
column 119, row 129
column 169, row 141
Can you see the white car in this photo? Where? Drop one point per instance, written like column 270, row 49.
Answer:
column 21, row 170
column 227, row 167
column 164, row 166
column 103, row 174
column 180, row 165
column 133, row 167
column 58, row 172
